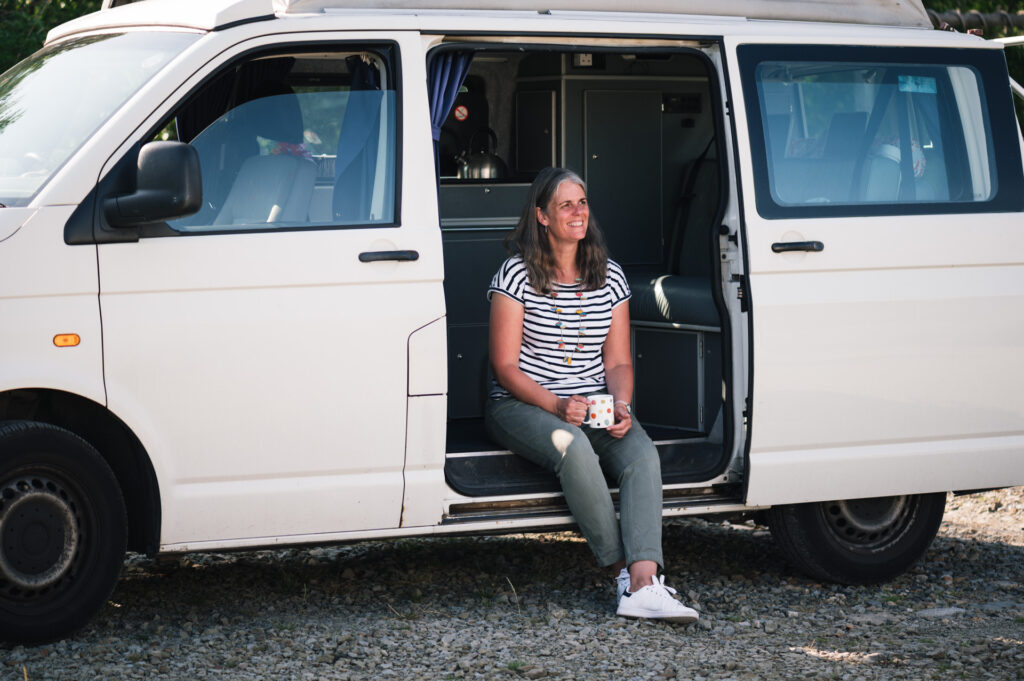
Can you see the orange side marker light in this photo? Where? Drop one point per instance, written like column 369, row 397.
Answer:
column 66, row 340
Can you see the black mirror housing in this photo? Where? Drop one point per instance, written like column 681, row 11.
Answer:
column 169, row 185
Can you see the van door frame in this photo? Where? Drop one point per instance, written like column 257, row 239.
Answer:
column 728, row 284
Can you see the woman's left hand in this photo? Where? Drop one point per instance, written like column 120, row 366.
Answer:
column 623, row 421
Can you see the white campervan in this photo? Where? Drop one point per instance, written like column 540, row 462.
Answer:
column 245, row 245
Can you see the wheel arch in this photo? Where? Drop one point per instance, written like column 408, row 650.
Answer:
column 115, row 442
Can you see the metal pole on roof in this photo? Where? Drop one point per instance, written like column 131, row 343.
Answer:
column 1004, row 22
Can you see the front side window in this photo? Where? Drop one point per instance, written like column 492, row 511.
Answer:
column 294, row 140
column 851, row 131
column 52, row 102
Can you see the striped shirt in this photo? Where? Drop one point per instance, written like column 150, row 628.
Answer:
column 563, row 331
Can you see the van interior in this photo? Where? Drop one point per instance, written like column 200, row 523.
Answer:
column 640, row 127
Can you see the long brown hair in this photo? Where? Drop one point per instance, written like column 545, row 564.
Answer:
column 530, row 239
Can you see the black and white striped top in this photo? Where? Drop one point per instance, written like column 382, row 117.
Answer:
column 563, row 331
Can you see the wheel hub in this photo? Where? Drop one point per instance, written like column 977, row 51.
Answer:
column 865, row 523
column 39, row 534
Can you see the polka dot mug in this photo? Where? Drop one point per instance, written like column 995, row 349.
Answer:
column 600, row 411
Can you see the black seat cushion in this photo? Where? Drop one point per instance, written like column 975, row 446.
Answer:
column 672, row 298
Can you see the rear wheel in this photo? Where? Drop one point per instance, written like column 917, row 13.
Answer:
column 858, row 541
column 62, row 532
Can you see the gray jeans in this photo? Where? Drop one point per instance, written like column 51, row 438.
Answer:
column 577, row 455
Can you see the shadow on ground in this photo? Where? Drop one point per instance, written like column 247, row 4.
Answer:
column 437, row 575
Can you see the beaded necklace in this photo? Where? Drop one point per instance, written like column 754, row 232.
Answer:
column 569, row 350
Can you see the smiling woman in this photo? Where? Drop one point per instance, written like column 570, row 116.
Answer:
column 565, row 220
column 559, row 341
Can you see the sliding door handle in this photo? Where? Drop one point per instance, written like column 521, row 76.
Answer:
column 377, row 256
column 788, row 246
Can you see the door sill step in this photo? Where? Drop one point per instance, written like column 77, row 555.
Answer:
column 554, row 505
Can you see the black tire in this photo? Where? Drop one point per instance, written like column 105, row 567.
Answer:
column 62, row 532
column 862, row 541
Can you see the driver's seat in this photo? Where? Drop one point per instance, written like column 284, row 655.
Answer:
column 274, row 187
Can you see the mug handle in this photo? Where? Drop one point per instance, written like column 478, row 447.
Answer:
column 586, row 418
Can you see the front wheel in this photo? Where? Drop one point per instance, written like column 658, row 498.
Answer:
column 860, row 541
column 62, row 532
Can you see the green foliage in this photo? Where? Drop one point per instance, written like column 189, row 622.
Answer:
column 980, row 5
column 1014, row 55
column 50, row 12
column 20, row 35
column 24, row 23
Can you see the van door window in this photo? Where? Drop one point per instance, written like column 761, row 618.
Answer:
column 856, row 132
column 294, row 140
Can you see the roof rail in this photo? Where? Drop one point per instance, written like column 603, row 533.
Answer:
column 880, row 12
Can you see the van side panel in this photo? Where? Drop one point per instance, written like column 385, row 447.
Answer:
column 48, row 288
column 910, row 382
column 887, row 357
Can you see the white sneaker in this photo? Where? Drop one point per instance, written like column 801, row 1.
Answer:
column 621, row 584
column 655, row 601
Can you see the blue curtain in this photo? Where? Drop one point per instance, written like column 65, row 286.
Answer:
column 447, row 72
column 356, row 162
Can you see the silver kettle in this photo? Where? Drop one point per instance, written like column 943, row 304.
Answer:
column 483, row 164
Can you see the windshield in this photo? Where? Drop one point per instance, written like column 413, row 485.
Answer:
column 53, row 101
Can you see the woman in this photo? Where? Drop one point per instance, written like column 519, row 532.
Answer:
column 560, row 332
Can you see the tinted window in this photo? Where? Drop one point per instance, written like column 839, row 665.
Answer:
column 293, row 141
column 844, row 131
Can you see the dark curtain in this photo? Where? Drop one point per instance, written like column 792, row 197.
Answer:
column 207, row 106
column 356, row 162
column 253, row 80
column 447, row 73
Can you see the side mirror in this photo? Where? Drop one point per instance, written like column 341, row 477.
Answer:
column 168, row 185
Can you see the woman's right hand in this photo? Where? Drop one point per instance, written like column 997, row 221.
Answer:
column 572, row 409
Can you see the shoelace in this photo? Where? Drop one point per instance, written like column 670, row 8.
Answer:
column 662, row 589
column 660, row 581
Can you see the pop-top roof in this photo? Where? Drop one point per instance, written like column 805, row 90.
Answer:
column 881, row 12
column 214, row 14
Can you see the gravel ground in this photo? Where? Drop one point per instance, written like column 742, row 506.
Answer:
column 534, row 606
